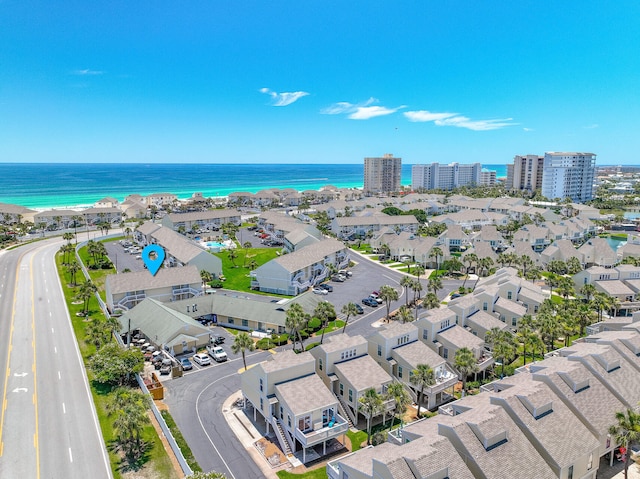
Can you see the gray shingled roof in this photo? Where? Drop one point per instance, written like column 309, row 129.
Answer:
column 297, row 395
column 142, row 280
column 461, row 338
column 418, row 353
column 363, row 373
column 309, row 255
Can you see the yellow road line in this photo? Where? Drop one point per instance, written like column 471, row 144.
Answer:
column 6, row 378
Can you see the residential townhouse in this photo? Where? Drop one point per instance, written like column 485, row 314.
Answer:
column 107, row 202
column 278, row 225
column 294, row 401
column 397, row 349
column 160, row 200
column 561, row 250
column 537, row 237
column 472, row 219
column 301, row 238
column 554, row 415
column 346, row 368
column 489, row 234
column 123, row 291
column 164, row 327
column 597, row 251
column 455, row 238
column 209, row 220
column 405, row 246
column 295, row 272
column 10, row 214
column 361, row 226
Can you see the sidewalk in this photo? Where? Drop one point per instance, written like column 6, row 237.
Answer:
column 248, row 435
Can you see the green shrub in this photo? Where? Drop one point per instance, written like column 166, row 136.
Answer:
column 311, row 346
column 216, row 284
column 314, row 324
column 379, row 438
column 280, row 339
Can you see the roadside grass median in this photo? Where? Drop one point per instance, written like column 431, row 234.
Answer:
column 155, row 462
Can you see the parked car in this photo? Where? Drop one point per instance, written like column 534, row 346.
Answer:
column 217, row 339
column 345, row 273
column 377, row 299
column 338, row 278
column 370, row 302
column 455, row 295
column 217, row 353
column 201, row 359
column 359, row 308
column 186, row 364
column 320, row 291
column 165, row 367
column 328, row 287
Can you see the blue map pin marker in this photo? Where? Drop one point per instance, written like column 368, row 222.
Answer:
column 153, row 264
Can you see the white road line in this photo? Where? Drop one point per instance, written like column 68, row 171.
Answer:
column 70, row 455
column 52, row 330
column 55, row 350
column 64, row 409
column 58, row 375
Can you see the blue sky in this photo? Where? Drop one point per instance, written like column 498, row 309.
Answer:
column 317, row 81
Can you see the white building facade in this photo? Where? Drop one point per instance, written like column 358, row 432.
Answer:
column 568, row 175
column 445, row 177
column 382, row 175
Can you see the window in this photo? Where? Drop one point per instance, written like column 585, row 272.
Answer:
column 281, row 413
column 400, row 372
column 445, row 353
column 590, row 463
column 319, row 365
column 570, row 472
column 425, row 334
column 261, row 388
column 514, row 321
column 231, row 321
column 484, row 306
column 289, row 421
column 379, row 350
column 245, row 323
column 509, row 294
column 341, row 389
column 350, row 395
column 261, row 404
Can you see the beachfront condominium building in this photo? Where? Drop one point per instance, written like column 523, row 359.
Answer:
column 525, row 173
column 488, row 178
column 438, row 176
column 568, row 175
column 382, row 175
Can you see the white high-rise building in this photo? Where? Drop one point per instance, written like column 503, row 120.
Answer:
column 568, row 175
column 382, row 175
column 438, row 176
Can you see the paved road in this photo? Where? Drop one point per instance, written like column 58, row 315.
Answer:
column 195, row 400
column 48, row 426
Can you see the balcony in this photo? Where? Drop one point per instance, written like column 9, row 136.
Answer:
column 443, row 381
column 130, row 300
column 387, row 406
column 485, row 361
column 311, row 438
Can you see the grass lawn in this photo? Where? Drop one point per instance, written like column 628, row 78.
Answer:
column 331, row 326
column 155, row 462
column 320, row 473
column 557, row 299
column 363, row 248
column 356, row 438
column 237, row 272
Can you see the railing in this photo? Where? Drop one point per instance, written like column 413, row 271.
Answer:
column 333, row 467
column 485, row 361
column 131, row 300
column 180, row 291
column 284, row 444
column 346, row 410
column 314, row 437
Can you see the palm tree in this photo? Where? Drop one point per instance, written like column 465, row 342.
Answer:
column 502, row 344
column 253, row 264
column 388, row 294
column 465, row 362
column 470, row 259
column 68, row 236
column 626, row 432
column 405, row 282
column 241, row 344
column 422, row 377
column 349, row 309
column 434, row 284
column 584, row 317
column 232, row 255
column 129, row 406
column 431, row 301
column 573, row 266
column 246, row 245
column 418, row 270
column 294, row 321
column 206, row 277
column 436, row 253
column 370, row 405
column 87, row 290
column 549, row 328
column 525, row 262
column 416, row 287
column 404, row 314
column 73, row 268
column 323, row 311
column 588, row 290
column 400, row 396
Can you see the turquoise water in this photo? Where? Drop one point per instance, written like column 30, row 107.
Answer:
column 615, row 243
column 215, row 244
column 49, row 185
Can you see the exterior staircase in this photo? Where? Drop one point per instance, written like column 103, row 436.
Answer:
column 282, row 437
column 345, row 412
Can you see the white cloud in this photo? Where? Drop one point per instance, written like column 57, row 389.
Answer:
column 87, row 72
column 359, row 111
column 424, row 115
column 528, row 129
column 284, row 98
column 476, row 125
column 366, row 112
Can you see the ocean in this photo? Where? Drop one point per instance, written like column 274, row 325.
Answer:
column 47, row 185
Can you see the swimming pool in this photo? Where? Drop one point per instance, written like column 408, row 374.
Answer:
column 215, row 244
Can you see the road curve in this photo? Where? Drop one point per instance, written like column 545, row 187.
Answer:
column 48, row 425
